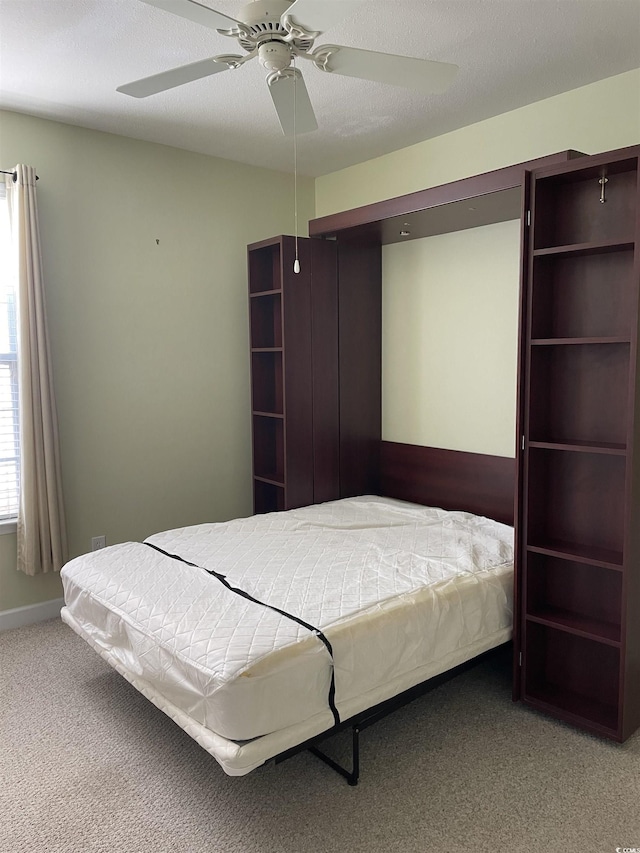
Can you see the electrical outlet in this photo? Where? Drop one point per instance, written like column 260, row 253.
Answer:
column 98, row 542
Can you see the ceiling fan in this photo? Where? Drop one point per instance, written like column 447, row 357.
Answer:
column 278, row 32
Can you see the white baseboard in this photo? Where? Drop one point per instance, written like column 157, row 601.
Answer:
column 30, row 614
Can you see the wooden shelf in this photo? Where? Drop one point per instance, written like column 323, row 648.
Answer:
column 590, row 248
column 277, row 415
column 276, row 291
column 602, row 557
column 581, row 626
column 546, row 342
column 267, row 375
column 582, row 447
column 279, row 483
column 293, row 340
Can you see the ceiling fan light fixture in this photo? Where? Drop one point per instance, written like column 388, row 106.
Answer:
column 274, row 55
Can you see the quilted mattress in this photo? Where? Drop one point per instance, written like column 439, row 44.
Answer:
column 242, row 631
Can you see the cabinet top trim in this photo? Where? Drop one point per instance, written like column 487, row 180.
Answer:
column 374, row 222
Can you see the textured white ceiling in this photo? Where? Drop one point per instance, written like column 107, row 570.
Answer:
column 63, row 59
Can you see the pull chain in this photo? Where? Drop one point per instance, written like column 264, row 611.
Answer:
column 296, row 263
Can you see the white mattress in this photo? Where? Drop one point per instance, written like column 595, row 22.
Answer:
column 400, row 591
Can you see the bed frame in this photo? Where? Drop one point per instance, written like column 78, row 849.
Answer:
column 452, row 480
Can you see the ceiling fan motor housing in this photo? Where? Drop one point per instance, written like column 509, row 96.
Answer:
column 264, row 12
column 263, row 21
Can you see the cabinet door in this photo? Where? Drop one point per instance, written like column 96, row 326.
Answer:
column 577, row 402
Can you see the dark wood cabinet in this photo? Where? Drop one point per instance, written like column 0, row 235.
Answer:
column 579, row 494
column 293, row 326
column 577, row 502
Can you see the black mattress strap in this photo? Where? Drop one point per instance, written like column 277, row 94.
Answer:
column 241, row 592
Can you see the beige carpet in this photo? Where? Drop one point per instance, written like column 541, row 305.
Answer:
column 88, row 764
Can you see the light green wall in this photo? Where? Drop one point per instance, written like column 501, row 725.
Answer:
column 16, row 588
column 450, row 302
column 149, row 340
column 450, row 328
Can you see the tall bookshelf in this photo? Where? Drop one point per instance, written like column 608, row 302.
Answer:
column 294, row 362
column 579, row 561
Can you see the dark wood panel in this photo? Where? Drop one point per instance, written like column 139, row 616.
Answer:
column 360, row 331
column 369, row 220
column 297, row 391
column 451, row 479
column 519, row 542
column 325, row 367
column 630, row 688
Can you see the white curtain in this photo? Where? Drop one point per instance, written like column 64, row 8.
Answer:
column 42, row 540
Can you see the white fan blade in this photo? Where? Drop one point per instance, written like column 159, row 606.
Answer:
column 319, row 15
column 283, row 94
column 421, row 74
column 175, row 77
column 196, row 12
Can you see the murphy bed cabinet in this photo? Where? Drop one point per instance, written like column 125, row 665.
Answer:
column 294, row 366
column 579, row 501
column 317, row 417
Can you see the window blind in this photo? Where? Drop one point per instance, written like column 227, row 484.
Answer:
column 9, row 409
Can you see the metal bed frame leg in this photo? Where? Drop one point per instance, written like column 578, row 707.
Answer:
column 353, row 775
column 362, row 721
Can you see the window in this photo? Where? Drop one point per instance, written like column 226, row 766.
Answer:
column 9, row 422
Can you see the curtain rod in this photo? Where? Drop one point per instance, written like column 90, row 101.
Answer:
column 15, row 175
